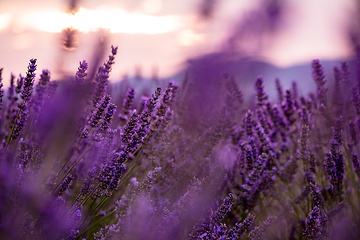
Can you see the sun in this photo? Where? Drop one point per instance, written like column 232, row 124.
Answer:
column 114, row 20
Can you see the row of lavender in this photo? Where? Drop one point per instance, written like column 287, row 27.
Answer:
column 70, row 168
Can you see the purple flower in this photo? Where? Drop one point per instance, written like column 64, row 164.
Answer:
column 279, row 90
column 19, row 84
column 29, row 81
column 240, row 228
column 166, row 99
column 1, row 91
column 319, row 78
column 313, row 224
column 259, row 231
column 353, row 133
column 128, row 102
column 63, row 186
column 110, row 111
column 356, row 163
column 249, row 123
column 261, row 95
column 233, row 89
column 304, row 146
column 102, row 77
column 356, row 100
column 98, row 113
column 81, row 72
column 288, row 107
column 337, row 94
column 288, row 171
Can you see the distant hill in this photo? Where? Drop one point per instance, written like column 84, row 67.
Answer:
column 210, row 68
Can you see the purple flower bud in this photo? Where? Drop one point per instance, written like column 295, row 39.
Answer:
column 353, row 133
column 97, row 114
column 128, row 102
column 63, row 186
column 345, row 71
column 113, row 50
column 279, row 90
column 81, row 72
column 29, row 81
column 259, row 231
column 233, row 89
column 288, row 171
column 319, row 78
column 19, row 84
column 261, row 95
column 108, row 117
column 337, row 100
column 356, row 100
column 1, row 91
column 313, row 224
column 288, row 107
column 356, row 163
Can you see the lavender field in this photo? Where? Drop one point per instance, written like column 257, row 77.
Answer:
column 209, row 154
column 187, row 162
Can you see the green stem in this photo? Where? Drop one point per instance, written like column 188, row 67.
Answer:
column 95, row 224
column 8, row 140
column 76, row 162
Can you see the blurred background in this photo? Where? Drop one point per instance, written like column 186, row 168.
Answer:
column 159, row 39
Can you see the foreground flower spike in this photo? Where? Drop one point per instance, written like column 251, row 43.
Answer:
column 98, row 113
column 41, row 89
column 288, row 107
column 212, row 228
column 279, row 90
column 19, row 84
column 355, row 99
column 110, row 111
column 357, row 49
column 346, row 80
column 128, row 103
column 261, row 95
column 353, row 133
column 233, row 89
column 240, row 228
column 43, row 81
column 26, row 93
column 294, row 90
column 356, row 163
column 1, row 93
column 102, row 77
column 303, row 150
column 337, row 93
column 316, row 195
column 29, row 81
column 313, row 224
column 259, row 231
column 81, row 72
column 288, row 171
column 63, row 186
column 337, row 130
column 166, row 99
column 319, row 78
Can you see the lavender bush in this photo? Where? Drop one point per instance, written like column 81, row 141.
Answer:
column 187, row 162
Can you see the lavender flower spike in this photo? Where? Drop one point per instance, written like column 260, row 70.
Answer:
column 356, row 163
column 313, row 224
column 261, row 95
column 1, row 91
column 319, row 78
column 29, row 81
column 81, row 72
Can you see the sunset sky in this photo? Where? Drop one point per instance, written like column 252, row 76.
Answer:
column 161, row 34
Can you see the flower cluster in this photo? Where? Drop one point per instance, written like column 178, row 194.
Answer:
column 170, row 166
